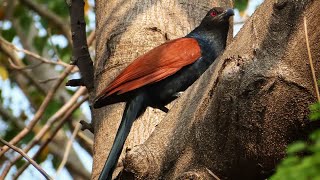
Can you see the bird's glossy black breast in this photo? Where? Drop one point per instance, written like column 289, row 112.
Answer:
column 163, row 92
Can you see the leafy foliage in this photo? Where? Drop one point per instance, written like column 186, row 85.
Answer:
column 241, row 5
column 303, row 159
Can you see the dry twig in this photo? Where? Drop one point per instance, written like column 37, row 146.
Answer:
column 68, row 147
column 65, row 117
column 310, row 59
column 18, row 63
column 59, row 114
column 40, row 111
column 34, row 55
column 18, row 150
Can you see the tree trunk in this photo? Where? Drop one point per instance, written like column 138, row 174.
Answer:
column 237, row 119
column 125, row 30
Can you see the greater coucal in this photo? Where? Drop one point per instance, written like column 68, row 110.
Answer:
column 155, row 78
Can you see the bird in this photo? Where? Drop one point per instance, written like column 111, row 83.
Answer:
column 156, row 78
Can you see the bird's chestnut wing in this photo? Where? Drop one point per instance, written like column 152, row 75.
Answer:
column 154, row 66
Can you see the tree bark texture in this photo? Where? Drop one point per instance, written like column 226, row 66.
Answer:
column 237, row 119
column 125, row 30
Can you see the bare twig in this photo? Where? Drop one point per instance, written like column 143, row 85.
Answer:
column 91, row 38
column 68, row 147
column 65, row 117
column 16, row 67
column 239, row 22
column 34, row 55
column 18, row 63
column 37, row 166
column 59, row 114
column 85, row 138
column 310, row 59
column 212, row 174
column 40, row 111
column 48, row 80
column 72, row 165
column 50, row 16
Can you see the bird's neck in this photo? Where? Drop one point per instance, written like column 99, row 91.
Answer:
column 212, row 41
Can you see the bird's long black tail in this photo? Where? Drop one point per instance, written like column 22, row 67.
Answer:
column 133, row 109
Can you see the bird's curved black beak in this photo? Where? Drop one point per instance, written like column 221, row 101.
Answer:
column 226, row 14
column 229, row 12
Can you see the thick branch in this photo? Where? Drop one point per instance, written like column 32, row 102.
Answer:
column 80, row 53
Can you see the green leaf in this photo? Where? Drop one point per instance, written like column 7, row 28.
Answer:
column 64, row 54
column 314, row 116
column 40, row 43
column 296, row 147
column 24, row 17
column 8, row 34
column 315, row 136
column 289, row 161
column 315, row 111
column 315, row 107
column 241, row 5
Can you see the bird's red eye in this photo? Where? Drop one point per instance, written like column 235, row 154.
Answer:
column 213, row 13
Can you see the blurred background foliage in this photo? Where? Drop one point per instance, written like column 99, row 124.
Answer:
column 41, row 27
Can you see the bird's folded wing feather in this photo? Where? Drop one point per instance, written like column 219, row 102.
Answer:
column 155, row 65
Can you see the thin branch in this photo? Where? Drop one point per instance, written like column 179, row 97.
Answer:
column 59, row 114
column 55, row 131
column 212, row 174
column 48, row 80
column 34, row 55
column 68, row 147
column 50, row 16
column 85, row 138
column 310, row 59
column 239, row 22
column 18, row 63
column 91, row 37
column 40, row 111
column 13, row 66
column 72, row 165
column 37, row 166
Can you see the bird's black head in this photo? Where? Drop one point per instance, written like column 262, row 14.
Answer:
column 217, row 16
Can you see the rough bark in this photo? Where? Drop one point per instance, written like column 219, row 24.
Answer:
column 125, row 30
column 237, row 119
column 246, row 108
